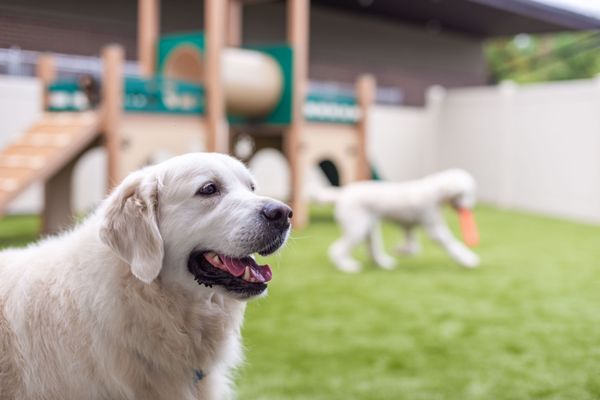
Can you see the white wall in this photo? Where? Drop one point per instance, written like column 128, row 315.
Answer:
column 20, row 100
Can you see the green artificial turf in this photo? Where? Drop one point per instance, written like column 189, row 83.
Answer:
column 18, row 230
column 525, row 325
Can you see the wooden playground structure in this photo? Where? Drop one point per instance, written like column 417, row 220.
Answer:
column 194, row 92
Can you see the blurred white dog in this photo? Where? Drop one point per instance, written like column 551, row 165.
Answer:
column 360, row 206
column 145, row 299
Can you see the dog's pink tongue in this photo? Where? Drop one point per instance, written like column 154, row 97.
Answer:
column 256, row 273
column 234, row 266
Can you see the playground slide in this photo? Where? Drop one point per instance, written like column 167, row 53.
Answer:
column 45, row 148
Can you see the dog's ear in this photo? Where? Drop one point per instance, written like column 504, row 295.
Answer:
column 130, row 225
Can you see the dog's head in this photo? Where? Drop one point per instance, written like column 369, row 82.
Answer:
column 458, row 188
column 195, row 217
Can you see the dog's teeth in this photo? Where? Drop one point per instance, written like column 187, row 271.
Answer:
column 247, row 274
column 217, row 259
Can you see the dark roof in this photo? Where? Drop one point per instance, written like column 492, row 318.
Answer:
column 483, row 18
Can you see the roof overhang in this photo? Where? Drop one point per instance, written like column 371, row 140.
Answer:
column 481, row 18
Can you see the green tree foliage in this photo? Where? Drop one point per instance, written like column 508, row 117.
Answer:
column 528, row 58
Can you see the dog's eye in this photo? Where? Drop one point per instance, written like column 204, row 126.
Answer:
column 207, row 189
column 252, row 187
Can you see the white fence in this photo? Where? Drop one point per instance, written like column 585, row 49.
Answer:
column 398, row 142
column 533, row 147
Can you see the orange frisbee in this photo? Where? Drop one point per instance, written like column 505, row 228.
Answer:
column 468, row 227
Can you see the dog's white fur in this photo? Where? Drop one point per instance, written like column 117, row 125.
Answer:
column 360, row 206
column 109, row 309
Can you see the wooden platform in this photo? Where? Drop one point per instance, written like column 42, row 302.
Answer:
column 43, row 150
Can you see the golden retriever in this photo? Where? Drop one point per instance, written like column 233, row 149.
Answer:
column 144, row 299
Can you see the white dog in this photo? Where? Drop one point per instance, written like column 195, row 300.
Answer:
column 145, row 299
column 360, row 206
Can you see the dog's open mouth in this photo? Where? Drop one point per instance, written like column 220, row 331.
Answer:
column 245, row 268
column 242, row 276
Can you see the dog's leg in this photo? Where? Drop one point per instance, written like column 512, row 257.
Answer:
column 355, row 229
column 439, row 232
column 339, row 253
column 377, row 251
column 411, row 245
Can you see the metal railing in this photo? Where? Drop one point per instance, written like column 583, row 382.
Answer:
column 18, row 62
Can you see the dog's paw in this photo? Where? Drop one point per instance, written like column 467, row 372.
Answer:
column 349, row 266
column 386, row 262
column 470, row 260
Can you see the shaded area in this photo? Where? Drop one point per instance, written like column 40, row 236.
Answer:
column 330, row 171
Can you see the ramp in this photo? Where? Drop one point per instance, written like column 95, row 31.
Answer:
column 43, row 150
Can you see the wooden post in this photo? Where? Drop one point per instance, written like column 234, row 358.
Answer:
column 234, row 23
column 148, row 32
column 218, row 134
column 365, row 93
column 112, row 105
column 46, row 72
column 58, row 210
column 298, row 25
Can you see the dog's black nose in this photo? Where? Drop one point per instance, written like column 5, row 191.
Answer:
column 277, row 212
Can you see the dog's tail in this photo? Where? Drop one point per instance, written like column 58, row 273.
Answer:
column 326, row 195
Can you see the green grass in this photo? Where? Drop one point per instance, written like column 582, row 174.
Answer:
column 525, row 325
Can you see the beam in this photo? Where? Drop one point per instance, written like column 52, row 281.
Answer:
column 112, row 105
column 46, row 72
column 148, row 33
column 215, row 21
column 365, row 93
column 298, row 26
column 58, row 207
column 235, row 10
